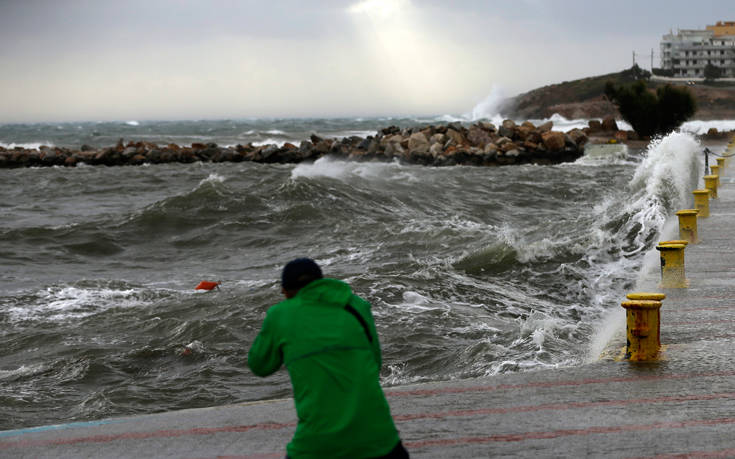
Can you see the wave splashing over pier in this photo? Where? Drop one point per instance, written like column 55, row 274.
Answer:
column 471, row 271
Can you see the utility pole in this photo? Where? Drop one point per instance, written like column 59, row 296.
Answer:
column 633, row 58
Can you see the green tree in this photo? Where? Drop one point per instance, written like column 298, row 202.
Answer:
column 652, row 113
column 712, row 72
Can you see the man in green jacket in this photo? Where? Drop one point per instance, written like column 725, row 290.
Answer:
column 325, row 336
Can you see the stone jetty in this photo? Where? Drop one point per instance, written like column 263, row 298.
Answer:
column 479, row 144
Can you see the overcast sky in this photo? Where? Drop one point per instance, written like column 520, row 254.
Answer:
column 63, row 60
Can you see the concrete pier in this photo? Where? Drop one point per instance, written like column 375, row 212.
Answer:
column 680, row 406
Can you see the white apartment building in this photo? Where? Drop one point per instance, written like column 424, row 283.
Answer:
column 688, row 52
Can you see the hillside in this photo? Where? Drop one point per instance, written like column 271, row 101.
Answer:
column 584, row 98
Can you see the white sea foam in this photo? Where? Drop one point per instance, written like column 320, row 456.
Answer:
column 661, row 184
column 338, row 169
column 355, row 133
column 22, row 371
column 604, row 154
column 433, row 227
column 489, row 107
column 698, row 127
column 669, row 170
column 57, row 304
column 213, row 178
column 27, row 145
column 530, row 251
column 270, row 141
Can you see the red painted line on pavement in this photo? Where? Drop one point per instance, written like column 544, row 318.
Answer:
column 579, row 382
column 694, row 454
column 706, row 308
column 566, row 433
column 398, row 418
column 143, row 435
column 563, row 406
column 700, row 322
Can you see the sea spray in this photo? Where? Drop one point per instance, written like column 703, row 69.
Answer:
column 669, row 172
column 661, row 184
column 489, row 108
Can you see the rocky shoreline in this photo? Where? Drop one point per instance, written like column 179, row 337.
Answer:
column 480, row 144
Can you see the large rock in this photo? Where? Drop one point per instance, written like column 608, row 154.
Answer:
column 621, row 136
column 390, row 130
column 490, row 149
column 478, row 137
column 553, row 140
column 545, row 127
column 436, row 149
column 456, row 136
column 502, row 141
column 417, row 143
column 488, row 126
column 438, row 138
column 609, row 124
column 578, row 136
column 508, row 146
column 507, row 129
column 322, row 147
column 523, row 131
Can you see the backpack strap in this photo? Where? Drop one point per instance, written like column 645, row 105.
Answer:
column 359, row 318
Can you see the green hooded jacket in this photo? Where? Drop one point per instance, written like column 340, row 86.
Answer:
column 334, row 371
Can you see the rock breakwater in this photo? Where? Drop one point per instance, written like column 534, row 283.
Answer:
column 479, row 144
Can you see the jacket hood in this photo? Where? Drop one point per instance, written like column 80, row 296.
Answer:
column 325, row 292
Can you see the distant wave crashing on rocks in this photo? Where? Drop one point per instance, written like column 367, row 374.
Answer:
column 481, row 143
column 480, row 137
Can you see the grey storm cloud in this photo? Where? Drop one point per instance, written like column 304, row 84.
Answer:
column 99, row 59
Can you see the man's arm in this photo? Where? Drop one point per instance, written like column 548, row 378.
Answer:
column 265, row 356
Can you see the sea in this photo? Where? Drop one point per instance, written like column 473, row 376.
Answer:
column 471, row 271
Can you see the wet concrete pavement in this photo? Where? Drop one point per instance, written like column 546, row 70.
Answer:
column 680, row 406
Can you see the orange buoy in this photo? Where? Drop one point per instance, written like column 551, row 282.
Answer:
column 207, row 285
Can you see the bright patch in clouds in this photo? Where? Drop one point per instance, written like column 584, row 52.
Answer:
column 383, row 8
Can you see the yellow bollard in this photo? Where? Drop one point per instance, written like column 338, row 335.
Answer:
column 674, row 241
column 672, row 265
column 642, row 324
column 721, row 163
column 688, row 225
column 715, row 170
column 710, row 182
column 701, row 202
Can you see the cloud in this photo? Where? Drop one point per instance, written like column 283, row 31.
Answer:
column 140, row 59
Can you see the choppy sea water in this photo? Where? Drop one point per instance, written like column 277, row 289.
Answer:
column 471, row 271
column 258, row 131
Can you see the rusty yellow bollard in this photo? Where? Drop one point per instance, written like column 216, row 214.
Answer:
column 715, row 170
column 710, row 182
column 674, row 241
column 721, row 163
column 672, row 265
column 688, row 225
column 701, row 202
column 643, row 326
